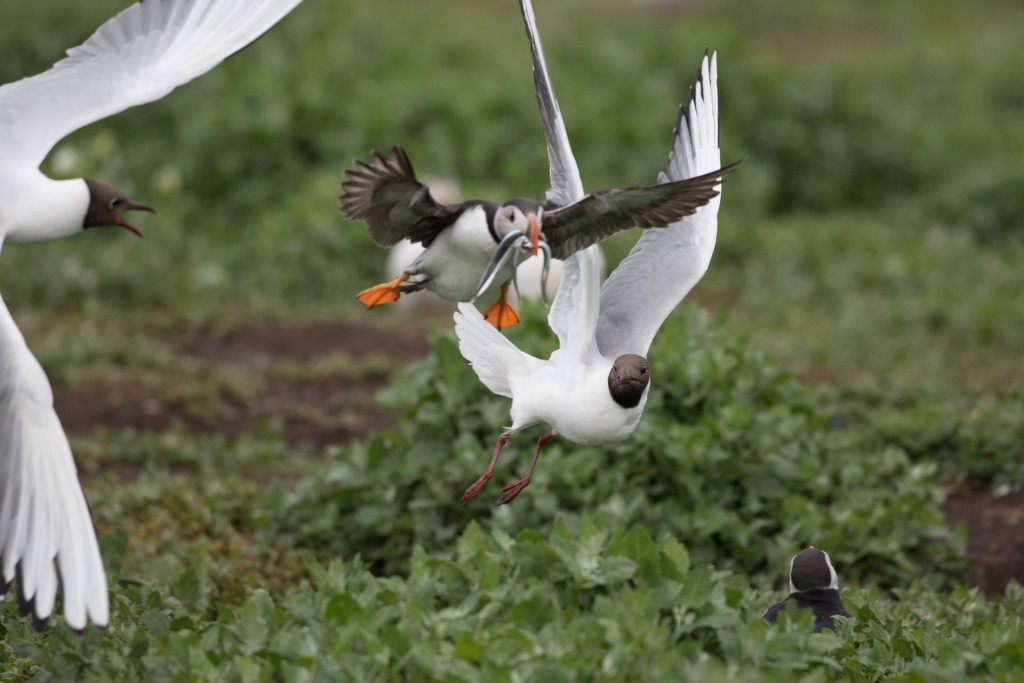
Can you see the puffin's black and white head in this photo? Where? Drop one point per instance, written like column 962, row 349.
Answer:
column 520, row 216
column 628, row 378
column 812, row 569
column 106, row 203
column 515, row 226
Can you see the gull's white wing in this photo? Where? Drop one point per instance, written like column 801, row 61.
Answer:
column 566, row 186
column 664, row 265
column 139, row 56
column 46, row 535
column 573, row 315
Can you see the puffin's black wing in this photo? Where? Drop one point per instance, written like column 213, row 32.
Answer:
column 385, row 195
column 602, row 214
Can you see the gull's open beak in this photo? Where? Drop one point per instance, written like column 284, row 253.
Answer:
column 132, row 206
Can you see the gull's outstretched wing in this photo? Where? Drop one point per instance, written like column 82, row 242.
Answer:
column 573, row 314
column 385, row 195
column 46, row 535
column 665, row 264
column 566, row 186
column 139, row 56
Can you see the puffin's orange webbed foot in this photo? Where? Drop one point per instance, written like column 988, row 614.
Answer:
column 500, row 313
column 384, row 293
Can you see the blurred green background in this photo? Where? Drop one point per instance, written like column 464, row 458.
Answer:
column 870, row 247
column 874, row 233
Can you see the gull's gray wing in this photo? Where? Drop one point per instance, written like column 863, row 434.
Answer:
column 573, row 314
column 385, row 195
column 601, row 214
column 566, row 186
column 138, row 56
column 665, row 264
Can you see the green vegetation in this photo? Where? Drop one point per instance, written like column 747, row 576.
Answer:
column 855, row 346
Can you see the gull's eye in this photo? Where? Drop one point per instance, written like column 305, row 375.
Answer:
column 114, row 203
column 643, row 370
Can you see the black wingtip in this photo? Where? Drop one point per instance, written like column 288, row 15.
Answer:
column 26, row 606
column 683, row 116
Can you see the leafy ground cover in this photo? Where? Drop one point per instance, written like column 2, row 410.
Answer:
column 275, row 473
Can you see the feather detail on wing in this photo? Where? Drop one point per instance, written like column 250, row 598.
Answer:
column 566, row 186
column 665, row 264
column 573, row 313
column 494, row 358
column 385, row 195
column 138, row 56
column 47, row 539
column 604, row 213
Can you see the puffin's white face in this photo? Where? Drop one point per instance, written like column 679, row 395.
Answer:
column 510, row 218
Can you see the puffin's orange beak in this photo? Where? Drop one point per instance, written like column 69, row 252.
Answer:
column 534, row 234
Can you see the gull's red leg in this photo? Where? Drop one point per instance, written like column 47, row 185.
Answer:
column 509, row 493
column 471, row 492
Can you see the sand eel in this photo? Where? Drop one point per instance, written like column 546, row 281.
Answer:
column 593, row 388
column 813, row 584
column 46, row 534
column 474, row 243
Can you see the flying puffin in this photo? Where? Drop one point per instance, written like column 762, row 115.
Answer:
column 813, row 584
column 464, row 243
column 47, row 541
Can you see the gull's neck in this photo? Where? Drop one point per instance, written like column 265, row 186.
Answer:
column 35, row 208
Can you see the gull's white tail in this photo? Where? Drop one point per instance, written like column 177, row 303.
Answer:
column 492, row 356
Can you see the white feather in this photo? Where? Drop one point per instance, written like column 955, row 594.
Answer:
column 665, row 264
column 492, row 356
column 138, row 56
column 44, row 521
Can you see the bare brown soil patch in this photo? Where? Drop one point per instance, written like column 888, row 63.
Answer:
column 323, row 410
column 995, row 542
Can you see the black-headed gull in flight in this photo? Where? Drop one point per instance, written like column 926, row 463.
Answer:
column 142, row 54
column 593, row 388
column 466, row 244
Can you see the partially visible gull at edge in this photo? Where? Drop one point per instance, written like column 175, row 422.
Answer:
column 46, row 535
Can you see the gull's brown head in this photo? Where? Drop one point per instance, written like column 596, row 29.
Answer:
column 628, row 378
column 106, row 203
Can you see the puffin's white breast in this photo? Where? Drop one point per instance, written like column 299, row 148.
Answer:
column 457, row 257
